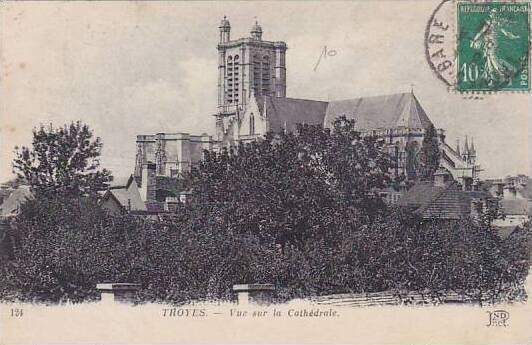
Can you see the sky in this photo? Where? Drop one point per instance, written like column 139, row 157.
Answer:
column 128, row 68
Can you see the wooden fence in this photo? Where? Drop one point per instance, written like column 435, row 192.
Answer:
column 399, row 298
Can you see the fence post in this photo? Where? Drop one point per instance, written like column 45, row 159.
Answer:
column 118, row 292
column 254, row 293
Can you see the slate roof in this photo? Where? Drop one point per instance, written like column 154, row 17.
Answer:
column 126, row 198
column 120, row 182
column 286, row 113
column 419, row 194
column 380, row 112
column 451, row 203
column 440, row 202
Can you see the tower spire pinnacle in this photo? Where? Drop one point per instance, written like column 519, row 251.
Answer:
column 256, row 31
column 225, row 30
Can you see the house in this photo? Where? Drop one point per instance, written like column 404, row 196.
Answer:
column 513, row 193
column 11, row 205
column 515, row 206
column 9, row 208
column 122, row 195
column 516, row 212
column 391, row 195
column 444, row 198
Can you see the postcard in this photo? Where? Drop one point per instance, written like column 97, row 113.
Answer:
column 265, row 172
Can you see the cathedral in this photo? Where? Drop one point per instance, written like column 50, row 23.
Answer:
column 252, row 101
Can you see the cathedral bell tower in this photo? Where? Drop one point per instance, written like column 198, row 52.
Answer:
column 247, row 67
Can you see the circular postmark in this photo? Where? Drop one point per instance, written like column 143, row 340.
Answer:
column 440, row 50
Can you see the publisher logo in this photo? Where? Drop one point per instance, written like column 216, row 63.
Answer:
column 498, row 318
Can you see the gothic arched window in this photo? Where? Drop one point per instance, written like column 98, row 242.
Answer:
column 412, row 159
column 251, row 124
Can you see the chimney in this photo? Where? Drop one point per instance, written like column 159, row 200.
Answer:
column 149, row 182
column 441, row 177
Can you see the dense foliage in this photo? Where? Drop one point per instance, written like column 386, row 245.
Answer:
column 430, row 153
column 293, row 188
column 64, row 248
column 62, row 160
column 296, row 210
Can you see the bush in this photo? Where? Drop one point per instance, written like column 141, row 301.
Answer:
column 63, row 248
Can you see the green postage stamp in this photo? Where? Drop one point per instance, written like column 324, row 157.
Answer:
column 493, row 46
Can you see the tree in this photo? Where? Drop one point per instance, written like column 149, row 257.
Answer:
column 292, row 186
column 430, row 153
column 62, row 160
column 298, row 210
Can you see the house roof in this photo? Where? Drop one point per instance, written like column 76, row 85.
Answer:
column 442, row 202
column 380, row 112
column 17, row 197
column 524, row 191
column 127, row 198
column 121, row 182
column 505, row 231
column 420, row 194
column 126, row 195
column 450, row 203
column 286, row 113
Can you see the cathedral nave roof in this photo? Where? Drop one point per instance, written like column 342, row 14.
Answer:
column 401, row 110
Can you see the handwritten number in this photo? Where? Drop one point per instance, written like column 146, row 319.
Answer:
column 324, row 54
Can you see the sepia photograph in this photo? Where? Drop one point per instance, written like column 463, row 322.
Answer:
column 265, row 172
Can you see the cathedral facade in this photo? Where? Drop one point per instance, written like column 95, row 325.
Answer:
column 252, row 101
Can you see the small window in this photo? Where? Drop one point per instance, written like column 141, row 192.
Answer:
column 251, row 124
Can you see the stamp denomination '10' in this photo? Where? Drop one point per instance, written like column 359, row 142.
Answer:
column 492, row 46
